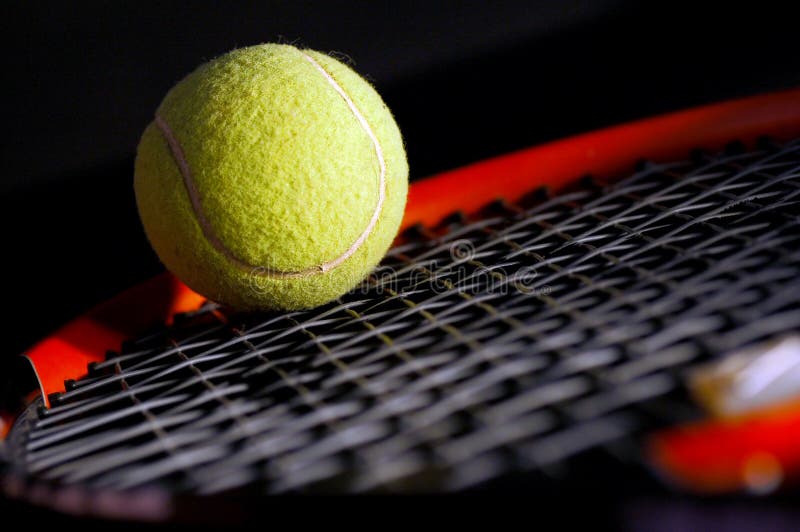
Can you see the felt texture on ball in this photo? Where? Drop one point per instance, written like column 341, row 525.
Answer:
column 271, row 178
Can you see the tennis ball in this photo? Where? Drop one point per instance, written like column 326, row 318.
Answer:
column 271, row 178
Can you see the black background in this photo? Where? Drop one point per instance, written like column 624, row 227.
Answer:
column 466, row 80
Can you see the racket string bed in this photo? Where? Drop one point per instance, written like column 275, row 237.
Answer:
column 527, row 339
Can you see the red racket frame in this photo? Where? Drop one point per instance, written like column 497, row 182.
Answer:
column 692, row 456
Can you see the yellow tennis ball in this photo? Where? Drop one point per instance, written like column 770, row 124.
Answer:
column 271, row 178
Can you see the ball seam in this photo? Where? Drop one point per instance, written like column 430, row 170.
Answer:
column 210, row 234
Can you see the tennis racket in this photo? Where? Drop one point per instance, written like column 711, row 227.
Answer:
column 615, row 309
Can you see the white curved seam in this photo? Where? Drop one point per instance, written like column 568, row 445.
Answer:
column 378, row 153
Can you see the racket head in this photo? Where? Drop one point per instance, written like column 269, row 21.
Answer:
column 358, row 327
